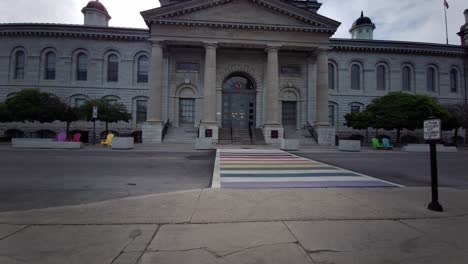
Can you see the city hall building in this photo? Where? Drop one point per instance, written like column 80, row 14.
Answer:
column 226, row 71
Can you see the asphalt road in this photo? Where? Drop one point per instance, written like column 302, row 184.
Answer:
column 45, row 178
column 408, row 169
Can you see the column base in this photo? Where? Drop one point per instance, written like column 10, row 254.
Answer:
column 273, row 134
column 152, row 132
column 326, row 135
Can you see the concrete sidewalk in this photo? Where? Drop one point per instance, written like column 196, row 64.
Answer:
column 245, row 226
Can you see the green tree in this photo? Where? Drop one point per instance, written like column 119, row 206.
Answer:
column 460, row 111
column 360, row 121
column 5, row 115
column 107, row 112
column 32, row 105
column 69, row 115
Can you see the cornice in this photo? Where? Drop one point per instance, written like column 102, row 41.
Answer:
column 382, row 46
column 74, row 31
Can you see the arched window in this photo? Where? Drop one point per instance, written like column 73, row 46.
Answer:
column 406, row 78
column 141, row 110
column 20, row 60
column 453, row 81
column 50, row 59
column 82, row 67
column 381, row 78
column 113, row 68
column 143, row 69
column 331, row 76
column 431, row 79
column 356, row 107
column 355, row 77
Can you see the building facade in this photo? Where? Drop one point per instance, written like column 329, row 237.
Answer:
column 204, row 65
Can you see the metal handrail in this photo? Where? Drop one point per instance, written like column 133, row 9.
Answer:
column 166, row 127
column 312, row 131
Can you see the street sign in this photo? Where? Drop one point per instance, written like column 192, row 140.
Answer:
column 432, row 129
column 95, row 109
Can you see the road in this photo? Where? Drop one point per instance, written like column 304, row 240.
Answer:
column 45, row 178
column 408, row 169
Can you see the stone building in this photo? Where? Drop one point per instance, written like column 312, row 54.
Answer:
column 266, row 73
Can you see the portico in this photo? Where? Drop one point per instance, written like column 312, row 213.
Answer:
column 254, row 47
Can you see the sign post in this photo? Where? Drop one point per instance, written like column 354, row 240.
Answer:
column 432, row 133
column 94, row 117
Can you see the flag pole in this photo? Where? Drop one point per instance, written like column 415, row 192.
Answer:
column 446, row 26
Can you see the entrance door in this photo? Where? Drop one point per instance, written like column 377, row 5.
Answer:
column 238, row 103
column 186, row 111
column 289, row 113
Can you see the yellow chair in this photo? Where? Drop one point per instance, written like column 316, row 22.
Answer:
column 108, row 141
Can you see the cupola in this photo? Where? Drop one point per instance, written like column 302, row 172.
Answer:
column 95, row 14
column 362, row 28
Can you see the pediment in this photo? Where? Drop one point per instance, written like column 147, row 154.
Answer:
column 266, row 14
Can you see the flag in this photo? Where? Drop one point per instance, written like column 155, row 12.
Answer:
column 446, row 4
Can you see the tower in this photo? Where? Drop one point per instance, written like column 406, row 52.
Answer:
column 464, row 31
column 95, row 14
column 362, row 28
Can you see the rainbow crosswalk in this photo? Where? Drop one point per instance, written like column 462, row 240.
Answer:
column 248, row 168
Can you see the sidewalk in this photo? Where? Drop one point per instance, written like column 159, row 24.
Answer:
column 245, row 226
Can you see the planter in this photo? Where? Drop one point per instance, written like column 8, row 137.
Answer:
column 349, row 145
column 289, row 144
column 43, row 143
column 123, row 143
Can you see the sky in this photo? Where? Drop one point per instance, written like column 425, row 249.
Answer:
column 409, row 20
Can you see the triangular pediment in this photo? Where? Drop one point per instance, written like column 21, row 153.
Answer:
column 268, row 14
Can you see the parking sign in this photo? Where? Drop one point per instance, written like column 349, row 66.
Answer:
column 432, row 129
column 95, row 109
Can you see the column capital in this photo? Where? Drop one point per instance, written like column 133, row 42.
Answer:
column 210, row 45
column 320, row 51
column 272, row 48
column 157, row 44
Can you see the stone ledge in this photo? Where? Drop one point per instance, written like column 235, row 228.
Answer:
column 43, row 144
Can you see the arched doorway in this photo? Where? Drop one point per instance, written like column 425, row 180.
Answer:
column 238, row 102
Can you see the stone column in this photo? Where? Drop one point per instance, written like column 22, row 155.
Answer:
column 208, row 131
column 152, row 129
column 325, row 132
column 273, row 130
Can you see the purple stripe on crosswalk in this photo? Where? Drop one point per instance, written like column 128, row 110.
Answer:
column 309, row 184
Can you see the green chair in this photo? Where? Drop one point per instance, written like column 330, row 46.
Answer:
column 376, row 144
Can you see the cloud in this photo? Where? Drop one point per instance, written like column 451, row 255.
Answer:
column 415, row 20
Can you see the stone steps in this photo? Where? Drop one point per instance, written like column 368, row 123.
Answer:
column 181, row 135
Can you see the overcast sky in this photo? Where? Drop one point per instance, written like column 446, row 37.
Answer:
column 412, row 20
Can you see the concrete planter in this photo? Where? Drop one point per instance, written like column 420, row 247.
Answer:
column 289, row 144
column 204, row 143
column 43, row 143
column 350, row 145
column 425, row 148
column 123, row 143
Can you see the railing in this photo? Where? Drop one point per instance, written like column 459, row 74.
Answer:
column 250, row 134
column 166, row 127
column 198, row 133
column 312, row 131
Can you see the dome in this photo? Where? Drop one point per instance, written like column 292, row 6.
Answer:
column 363, row 21
column 98, row 6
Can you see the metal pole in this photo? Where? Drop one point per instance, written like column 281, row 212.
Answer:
column 434, row 205
column 446, row 26
column 94, row 131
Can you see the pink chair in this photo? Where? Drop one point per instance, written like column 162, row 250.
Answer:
column 62, row 137
column 76, row 137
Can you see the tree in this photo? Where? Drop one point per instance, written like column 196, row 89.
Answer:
column 360, row 121
column 460, row 111
column 32, row 105
column 398, row 110
column 69, row 115
column 5, row 115
column 107, row 112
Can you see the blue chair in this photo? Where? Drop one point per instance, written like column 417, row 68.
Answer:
column 386, row 143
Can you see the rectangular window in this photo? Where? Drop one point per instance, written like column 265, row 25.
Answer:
column 290, row 70
column 188, row 66
column 79, row 102
column 331, row 115
column 141, row 111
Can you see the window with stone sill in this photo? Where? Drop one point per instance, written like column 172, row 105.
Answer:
column 143, row 69
column 50, row 60
column 188, row 67
column 20, row 59
column 453, row 81
column 290, row 70
column 141, row 111
column 82, row 67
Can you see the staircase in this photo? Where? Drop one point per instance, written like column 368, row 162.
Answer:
column 303, row 135
column 240, row 137
column 181, row 135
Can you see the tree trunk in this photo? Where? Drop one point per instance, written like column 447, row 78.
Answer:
column 466, row 135
column 68, row 129
column 107, row 127
column 367, row 135
column 398, row 135
column 376, row 132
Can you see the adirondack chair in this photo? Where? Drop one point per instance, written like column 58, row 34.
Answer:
column 61, row 137
column 108, row 141
column 76, row 137
column 376, row 144
column 386, row 143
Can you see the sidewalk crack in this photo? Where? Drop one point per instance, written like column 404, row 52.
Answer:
column 149, row 243
column 16, row 232
column 196, row 205
column 308, row 257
